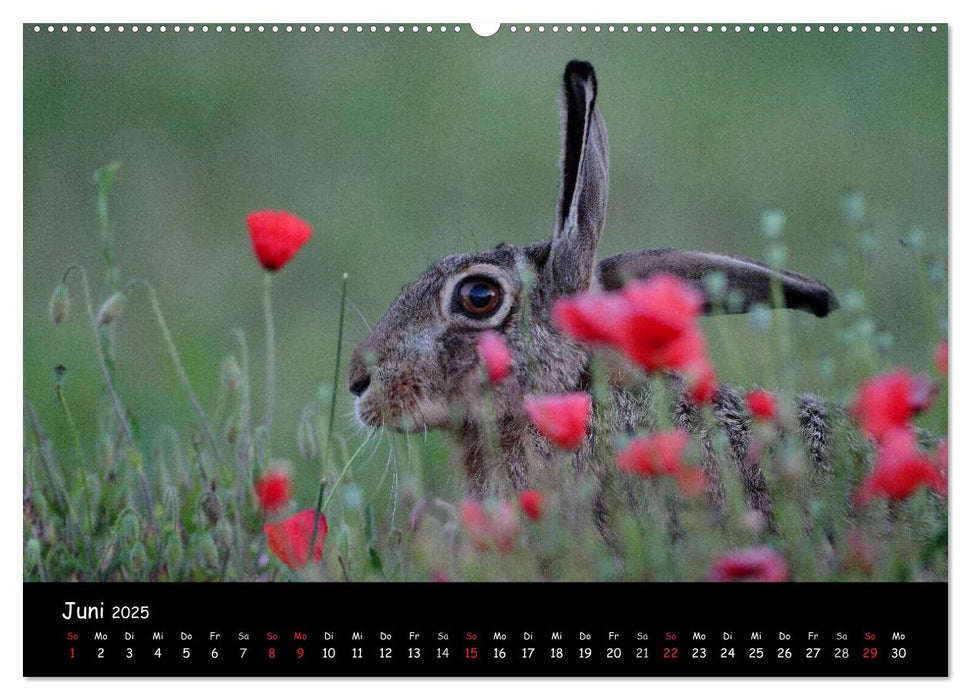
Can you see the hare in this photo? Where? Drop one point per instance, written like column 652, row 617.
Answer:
column 419, row 368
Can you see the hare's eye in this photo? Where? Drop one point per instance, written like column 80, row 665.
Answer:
column 478, row 297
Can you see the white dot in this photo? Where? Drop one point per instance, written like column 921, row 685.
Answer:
column 134, row 28
column 583, row 28
column 934, row 28
column 640, row 29
column 849, row 29
column 597, row 28
column 458, row 28
column 906, row 28
column 822, row 28
column 892, row 28
column 541, row 29
column 120, row 28
column 246, row 29
column 233, row 29
column 653, row 28
column 863, row 28
column 681, row 29
column 359, row 29
column 400, row 28
column 176, row 29
column 836, row 29
column 303, row 28
column 667, row 28
column 77, row 28
column 428, row 28
column 93, row 28
column 387, row 29
column 920, row 27
column 569, row 28
column 765, row 28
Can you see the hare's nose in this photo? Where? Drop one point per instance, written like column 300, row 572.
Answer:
column 360, row 385
column 359, row 376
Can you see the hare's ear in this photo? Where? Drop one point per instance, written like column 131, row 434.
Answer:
column 582, row 206
column 750, row 280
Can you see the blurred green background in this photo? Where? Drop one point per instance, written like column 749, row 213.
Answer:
column 400, row 148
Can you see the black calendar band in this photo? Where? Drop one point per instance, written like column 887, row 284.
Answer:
column 485, row 629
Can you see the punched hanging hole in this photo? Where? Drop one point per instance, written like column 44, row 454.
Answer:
column 485, row 28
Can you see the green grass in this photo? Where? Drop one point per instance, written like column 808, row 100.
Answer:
column 110, row 497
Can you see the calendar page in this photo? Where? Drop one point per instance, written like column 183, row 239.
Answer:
column 547, row 349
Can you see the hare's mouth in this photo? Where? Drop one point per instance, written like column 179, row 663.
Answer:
column 402, row 414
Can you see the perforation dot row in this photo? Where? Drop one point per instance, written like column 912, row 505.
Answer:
column 414, row 28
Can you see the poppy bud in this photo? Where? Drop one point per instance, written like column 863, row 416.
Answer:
column 230, row 373
column 306, row 440
column 208, row 552
column 210, row 506
column 137, row 557
column 173, row 552
column 60, row 305
column 111, row 310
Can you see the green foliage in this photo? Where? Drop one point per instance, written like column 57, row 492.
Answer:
column 164, row 506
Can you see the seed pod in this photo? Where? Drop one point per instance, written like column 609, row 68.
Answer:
column 173, row 553
column 60, row 306
column 137, row 557
column 210, row 506
column 229, row 373
column 208, row 552
column 111, row 310
column 306, row 440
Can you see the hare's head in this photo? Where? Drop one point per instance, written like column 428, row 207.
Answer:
column 419, row 367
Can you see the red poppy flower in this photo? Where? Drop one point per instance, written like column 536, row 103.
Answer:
column 486, row 529
column 276, row 236
column 759, row 564
column 762, row 404
column 495, row 354
column 533, row 504
column 562, row 418
column 662, row 454
column 477, row 524
column 659, row 330
column 289, row 539
column 702, row 380
column 273, row 489
column 505, row 525
column 887, row 402
column 940, row 356
column 591, row 317
column 940, row 460
column 900, row 470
